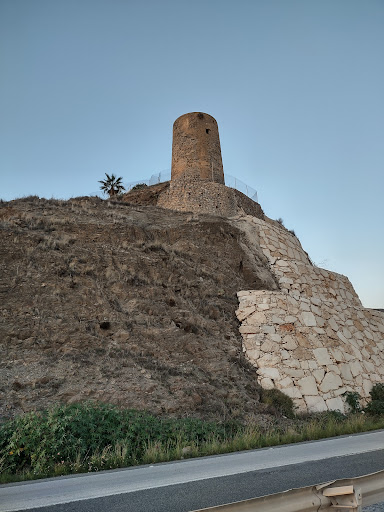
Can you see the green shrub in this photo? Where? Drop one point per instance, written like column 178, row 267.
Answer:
column 39, row 442
column 377, row 392
column 376, row 407
column 92, row 436
column 281, row 402
column 353, row 400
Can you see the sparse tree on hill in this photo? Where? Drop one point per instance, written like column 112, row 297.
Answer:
column 112, row 185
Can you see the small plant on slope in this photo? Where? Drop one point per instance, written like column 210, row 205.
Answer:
column 139, row 186
column 112, row 185
column 281, row 402
column 353, row 400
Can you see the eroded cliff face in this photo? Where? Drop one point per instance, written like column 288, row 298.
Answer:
column 312, row 339
column 128, row 304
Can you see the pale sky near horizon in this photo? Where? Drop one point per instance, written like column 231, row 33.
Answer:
column 296, row 86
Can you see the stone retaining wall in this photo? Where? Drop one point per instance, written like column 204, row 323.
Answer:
column 191, row 194
column 313, row 339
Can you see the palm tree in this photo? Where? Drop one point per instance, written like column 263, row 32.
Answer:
column 112, row 185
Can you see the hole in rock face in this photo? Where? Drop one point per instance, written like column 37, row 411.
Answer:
column 207, row 130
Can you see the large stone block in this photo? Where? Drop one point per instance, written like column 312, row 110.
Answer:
column 369, row 366
column 330, row 382
column 345, row 372
column 356, row 368
column 308, row 319
column 254, row 340
column 336, row 404
column 367, row 386
column 253, row 354
column 268, row 372
column 267, row 383
column 267, row 329
column 289, row 343
column 315, row 404
column 245, row 312
column 284, row 383
column 269, row 346
column 319, row 375
column 322, row 356
column 333, row 324
column 268, row 360
column 248, row 329
column 337, row 354
column 308, row 386
column 293, row 372
column 257, row 318
column 293, row 392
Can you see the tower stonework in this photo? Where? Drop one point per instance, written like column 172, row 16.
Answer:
column 196, row 152
column 197, row 177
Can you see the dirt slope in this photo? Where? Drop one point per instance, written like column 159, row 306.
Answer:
column 129, row 304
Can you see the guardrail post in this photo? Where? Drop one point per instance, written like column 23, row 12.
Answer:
column 344, row 498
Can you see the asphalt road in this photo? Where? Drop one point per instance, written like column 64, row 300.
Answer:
column 198, row 483
column 375, row 508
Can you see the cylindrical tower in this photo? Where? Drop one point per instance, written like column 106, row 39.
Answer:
column 196, row 151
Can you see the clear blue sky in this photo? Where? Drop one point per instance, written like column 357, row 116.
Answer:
column 297, row 87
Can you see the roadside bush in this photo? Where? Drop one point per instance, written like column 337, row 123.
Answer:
column 353, row 400
column 376, row 405
column 377, row 392
column 94, row 436
column 278, row 400
column 39, row 441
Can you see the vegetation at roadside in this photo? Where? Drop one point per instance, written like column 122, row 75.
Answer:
column 376, row 405
column 94, row 436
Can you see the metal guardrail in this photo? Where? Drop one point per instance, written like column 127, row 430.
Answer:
column 339, row 495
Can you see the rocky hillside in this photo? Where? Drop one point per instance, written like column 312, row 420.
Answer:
column 124, row 303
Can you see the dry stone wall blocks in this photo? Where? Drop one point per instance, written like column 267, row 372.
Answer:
column 312, row 339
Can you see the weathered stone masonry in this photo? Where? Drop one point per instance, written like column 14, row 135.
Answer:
column 190, row 195
column 196, row 150
column 197, row 182
column 313, row 339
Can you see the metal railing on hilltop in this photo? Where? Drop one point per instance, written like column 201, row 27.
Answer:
column 230, row 181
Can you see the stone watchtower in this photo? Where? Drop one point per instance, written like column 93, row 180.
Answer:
column 197, row 178
column 196, row 152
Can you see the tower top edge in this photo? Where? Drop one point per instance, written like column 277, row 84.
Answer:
column 201, row 115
